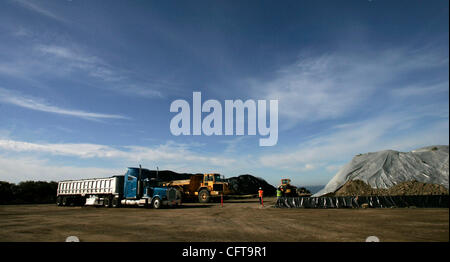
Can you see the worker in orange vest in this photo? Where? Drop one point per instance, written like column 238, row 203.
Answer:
column 260, row 195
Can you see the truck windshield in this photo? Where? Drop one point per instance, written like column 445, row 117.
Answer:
column 218, row 178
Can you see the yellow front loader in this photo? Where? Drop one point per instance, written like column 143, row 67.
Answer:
column 289, row 190
column 205, row 187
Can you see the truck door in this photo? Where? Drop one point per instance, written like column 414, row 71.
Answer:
column 130, row 186
column 148, row 189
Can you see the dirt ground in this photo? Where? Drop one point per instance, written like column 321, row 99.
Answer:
column 238, row 220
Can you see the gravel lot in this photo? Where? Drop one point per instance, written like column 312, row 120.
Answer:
column 238, row 220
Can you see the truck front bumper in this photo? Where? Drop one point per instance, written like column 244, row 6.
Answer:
column 171, row 203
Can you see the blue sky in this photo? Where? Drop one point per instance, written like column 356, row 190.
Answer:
column 86, row 86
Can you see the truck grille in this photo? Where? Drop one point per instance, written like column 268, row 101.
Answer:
column 172, row 194
column 218, row 187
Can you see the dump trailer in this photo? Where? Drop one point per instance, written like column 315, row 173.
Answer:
column 206, row 187
column 136, row 187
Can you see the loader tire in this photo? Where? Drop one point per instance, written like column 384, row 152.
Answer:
column 203, row 196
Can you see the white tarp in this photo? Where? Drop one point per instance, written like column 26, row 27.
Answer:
column 387, row 168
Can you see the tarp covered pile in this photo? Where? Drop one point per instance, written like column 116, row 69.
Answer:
column 385, row 169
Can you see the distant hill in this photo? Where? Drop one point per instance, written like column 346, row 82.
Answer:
column 385, row 169
column 314, row 189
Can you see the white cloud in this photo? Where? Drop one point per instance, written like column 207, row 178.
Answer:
column 348, row 140
column 119, row 80
column 75, row 59
column 31, row 5
column 66, row 53
column 333, row 168
column 309, row 166
column 421, row 90
column 63, row 61
column 335, row 86
column 17, row 169
column 235, row 144
column 9, row 97
column 22, row 160
column 329, row 86
column 21, row 32
column 166, row 153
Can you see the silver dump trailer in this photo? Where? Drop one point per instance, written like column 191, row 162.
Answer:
column 136, row 187
column 94, row 191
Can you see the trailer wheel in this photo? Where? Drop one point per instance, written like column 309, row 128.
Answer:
column 203, row 196
column 107, row 202
column 59, row 201
column 65, row 201
column 115, row 202
column 156, row 203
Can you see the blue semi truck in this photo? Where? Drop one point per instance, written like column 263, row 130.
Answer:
column 138, row 187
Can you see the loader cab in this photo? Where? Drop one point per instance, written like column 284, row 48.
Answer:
column 208, row 180
column 219, row 178
column 212, row 179
column 285, row 181
column 215, row 183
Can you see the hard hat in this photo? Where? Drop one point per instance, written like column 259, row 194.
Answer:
column 260, row 188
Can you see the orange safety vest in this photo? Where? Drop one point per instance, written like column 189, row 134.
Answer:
column 260, row 193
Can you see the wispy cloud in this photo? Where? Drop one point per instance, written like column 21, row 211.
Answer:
column 17, row 169
column 421, row 90
column 9, row 97
column 39, row 62
column 118, row 80
column 78, row 60
column 33, row 6
column 165, row 153
column 329, row 86
column 21, row 32
column 345, row 141
column 66, row 53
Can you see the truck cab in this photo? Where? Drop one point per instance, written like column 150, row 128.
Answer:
column 140, row 188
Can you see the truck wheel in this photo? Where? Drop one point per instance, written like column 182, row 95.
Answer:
column 107, row 202
column 203, row 196
column 59, row 201
column 115, row 202
column 156, row 203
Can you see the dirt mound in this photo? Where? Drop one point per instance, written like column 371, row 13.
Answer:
column 167, row 175
column 357, row 188
column 240, row 185
column 360, row 188
column 248, row 184
column 417, row 188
